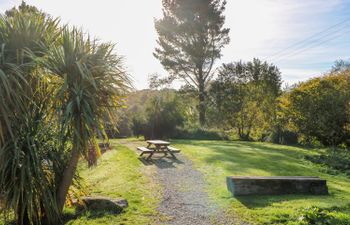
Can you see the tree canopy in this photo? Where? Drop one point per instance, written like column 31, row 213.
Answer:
column 244, row 95
column 191, row 35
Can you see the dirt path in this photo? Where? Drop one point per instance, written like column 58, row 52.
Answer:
column 184, row 200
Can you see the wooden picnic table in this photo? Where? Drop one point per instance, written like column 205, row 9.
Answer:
column 158, row 146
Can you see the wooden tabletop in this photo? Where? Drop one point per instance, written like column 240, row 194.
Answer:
column 158, row 142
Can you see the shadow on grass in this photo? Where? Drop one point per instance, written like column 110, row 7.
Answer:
column 261, row 201
column 260, row 159
column 244, row 157
column 161, row 162
column 88, row 214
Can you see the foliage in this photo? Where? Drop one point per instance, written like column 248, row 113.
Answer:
column 284, row 137
column 245, row 96
column 163, row 114
column 340, row 66
column 56, row 88
column 23, row 8
column 28, row 178
column 315, row 215
column 198, row 133
column 335, row 160
column 190, row 39
column 319, row 216
column 138, row 125
column 319, row 108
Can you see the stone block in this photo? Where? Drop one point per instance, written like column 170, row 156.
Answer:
column 241, row 186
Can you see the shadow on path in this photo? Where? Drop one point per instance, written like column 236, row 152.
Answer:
column 161, row 162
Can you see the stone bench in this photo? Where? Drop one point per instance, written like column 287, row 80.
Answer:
column 240, row 186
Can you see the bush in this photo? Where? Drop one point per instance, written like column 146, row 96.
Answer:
column 318, row 216
column 315, row 215
column 319, row 108
column 199, row 134
column 163, row 113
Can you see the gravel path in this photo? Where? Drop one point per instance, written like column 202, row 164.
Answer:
column 185, row 201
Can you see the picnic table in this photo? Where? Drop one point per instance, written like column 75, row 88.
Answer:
column 158, row 146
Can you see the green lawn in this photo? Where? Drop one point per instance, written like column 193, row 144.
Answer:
column 218, row 159
column 120, row 174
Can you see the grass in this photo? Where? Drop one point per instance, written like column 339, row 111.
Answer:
column 218, row 159
column 120, row 174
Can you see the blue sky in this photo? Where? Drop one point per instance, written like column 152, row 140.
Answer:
column 259, row 28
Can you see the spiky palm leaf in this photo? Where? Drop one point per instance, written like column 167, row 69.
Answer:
column 51, row 80
column 25, row 180
column 93, row 80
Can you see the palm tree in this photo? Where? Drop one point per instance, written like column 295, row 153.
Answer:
column 93, row 82
column 24, row 100
column 56, row 89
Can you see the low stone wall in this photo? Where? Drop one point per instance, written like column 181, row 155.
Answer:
column 240, row 186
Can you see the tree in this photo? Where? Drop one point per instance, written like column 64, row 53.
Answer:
column 319, row 108
column 190, row 39
column 93, row 81
column 57, row 87
column 163, row 113
column 245, row 96
column 26, row 130
column 340, row 66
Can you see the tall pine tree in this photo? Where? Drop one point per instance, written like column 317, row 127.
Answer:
column 190, row 38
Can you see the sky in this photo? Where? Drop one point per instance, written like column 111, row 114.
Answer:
column 302, row 37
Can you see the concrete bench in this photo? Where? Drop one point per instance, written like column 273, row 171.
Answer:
column 240, row 186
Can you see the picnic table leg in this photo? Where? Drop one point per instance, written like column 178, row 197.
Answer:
column 154, row 150
column 169, row 151
column 150, row 156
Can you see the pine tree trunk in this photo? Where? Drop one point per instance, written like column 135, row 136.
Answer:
column 202, row 109
column 201, row 106
column 67, row 179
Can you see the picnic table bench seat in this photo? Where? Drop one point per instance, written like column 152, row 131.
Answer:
column 175, row 150
column 144, row 149
column 147, row 150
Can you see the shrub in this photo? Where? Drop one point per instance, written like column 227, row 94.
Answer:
column 199, row 134
column 319, row 216
column 319, row 108
column 315, row 215
column 163, row 114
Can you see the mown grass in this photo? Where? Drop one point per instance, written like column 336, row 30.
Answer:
column 218, row 159
column 120, row 174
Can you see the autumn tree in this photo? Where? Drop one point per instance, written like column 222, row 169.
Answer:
column 191, row 35
column 244, row 95
column 319, row 108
